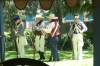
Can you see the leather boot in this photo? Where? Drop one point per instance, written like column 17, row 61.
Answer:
column 42, row 53
column 41, row 56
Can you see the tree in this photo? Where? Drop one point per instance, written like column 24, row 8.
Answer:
column 9, row 12
column 81, row 7
column 31, row 8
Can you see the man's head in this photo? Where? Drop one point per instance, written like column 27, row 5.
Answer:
column 16, row 19
column 38, row 17
column 52, row 17
column 76, row 17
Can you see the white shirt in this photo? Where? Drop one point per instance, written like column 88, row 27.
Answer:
column 50, row 27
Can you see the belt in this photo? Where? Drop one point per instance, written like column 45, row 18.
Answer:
column 39, row 33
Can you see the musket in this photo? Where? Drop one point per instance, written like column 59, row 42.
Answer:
column 70, row 38
column 33, row 40
column 14, row 39
column 72, row 50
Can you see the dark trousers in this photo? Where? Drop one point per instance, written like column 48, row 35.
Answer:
column 53, row 42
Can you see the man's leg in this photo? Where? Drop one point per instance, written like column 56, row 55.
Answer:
column 79, row 52
column 80, row 45
column 54, row 49
column 42, row 43
column 75, row 46
column 17, row 41
column 37, row 44
column 51, row 43
column 21, row 47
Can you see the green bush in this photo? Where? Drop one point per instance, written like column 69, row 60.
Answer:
column 88, row 40
column 29, row 36
column 64, row 42
column 9, row 44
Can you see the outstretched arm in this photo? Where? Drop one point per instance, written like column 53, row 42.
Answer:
column 49, row 29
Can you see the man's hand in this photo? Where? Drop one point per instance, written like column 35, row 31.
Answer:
column 41, row 28
column 81, row 32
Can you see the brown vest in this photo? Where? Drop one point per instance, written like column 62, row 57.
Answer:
column 38, row 33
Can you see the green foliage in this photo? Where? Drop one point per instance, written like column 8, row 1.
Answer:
column 81, row 7
column 9, row 42
column 31, row 8
column 64, row 42
column 9, row 11
column 88, row 40
column 29, row 36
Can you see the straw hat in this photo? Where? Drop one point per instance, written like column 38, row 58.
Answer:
column 39, row 16
column 52, row 16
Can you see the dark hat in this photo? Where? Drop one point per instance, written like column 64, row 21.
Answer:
column 16, row 18
column 76, row 14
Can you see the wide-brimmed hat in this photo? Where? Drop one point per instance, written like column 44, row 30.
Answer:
column 39, row 16
column 52, row 16
column 16, row 18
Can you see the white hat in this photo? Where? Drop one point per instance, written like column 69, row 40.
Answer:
column 38, row 16
column 76, row 17
column 52, row 16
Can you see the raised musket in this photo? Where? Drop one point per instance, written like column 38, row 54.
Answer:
column 33, row 41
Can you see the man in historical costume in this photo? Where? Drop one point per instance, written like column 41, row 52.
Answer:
column 20, row 37
column 53, row 35
column 39, row 36
column 76, row 34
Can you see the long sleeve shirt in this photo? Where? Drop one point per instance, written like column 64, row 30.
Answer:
column 20, row 29
column 84, row 27
column 42, row 25
column 77, row 27
column 37, row 27
column 50, row 27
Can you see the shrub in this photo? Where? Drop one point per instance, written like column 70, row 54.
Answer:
column 88, row 40
column 9, row 44
column 64, row 42
column 29, row 36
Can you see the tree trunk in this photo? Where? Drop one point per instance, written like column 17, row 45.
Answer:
column 13, row 37
column 58, row 13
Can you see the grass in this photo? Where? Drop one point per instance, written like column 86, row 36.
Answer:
column 65, row 57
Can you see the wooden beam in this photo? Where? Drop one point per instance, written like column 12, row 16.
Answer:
column 96, row 36
column 2, row 45
column 20, row 4
column 46, row 4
